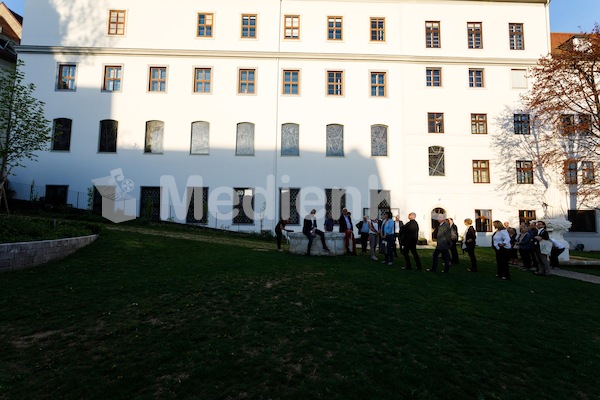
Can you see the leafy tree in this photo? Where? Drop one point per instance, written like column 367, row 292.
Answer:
column 564, row 102
column 24, row 130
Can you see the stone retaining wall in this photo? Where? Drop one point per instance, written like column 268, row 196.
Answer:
column 14, row 256
column 334, row 241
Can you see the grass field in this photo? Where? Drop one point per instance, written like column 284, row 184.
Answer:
column 178, row 314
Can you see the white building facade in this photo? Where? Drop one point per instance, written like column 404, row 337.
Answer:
column 268, row 100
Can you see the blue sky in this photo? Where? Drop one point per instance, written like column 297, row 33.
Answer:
column 565, row 15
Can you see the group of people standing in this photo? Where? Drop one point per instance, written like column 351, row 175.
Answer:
column 385, row 232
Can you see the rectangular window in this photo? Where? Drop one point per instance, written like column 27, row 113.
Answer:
column 247, row 81
column 587, row 173
column 288, row 201
column 335, row 83
column 335, row 201
column 56, row 194
column 567, row 124
column 334, row 28
column 585, row 124
column 158, row 79
column 432, row 34
column 483, row 220
column 291, row 82
column 582, row 220
column 378, row 84
column 433, row 76
column 202, row 80
column 475, row 77
column 521, row 124
column 66, row 77
column 377, row 29
column 479, row 124
column 292, row 27
column 437, row 163
column 116, row 22
column 524, row 172
column 249, row 26
column 205, row 25
column 435, row 122
column 243, row 202
column 515, row 35
column 526, row 216
column 571, row 172
column 518, row 78
column 481, row 171
column 474, row 35
column 112, row 78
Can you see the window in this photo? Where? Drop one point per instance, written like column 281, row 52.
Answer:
column 435, row 122
column 483, row 220
column 116, row 22
column 582, row 220
column 526, row 216
column 56, row 194
column 567, row 124
column 585, row 124
column 247, row 81
column 288, row 202
column 379, row 199
column 154, row 137
column 202, row 80
column 571, row 172
column 205, row 25
column 158, row 79
column 479, row 124
column 432, row 34
column 515, row 35
column 334, row 28
column 587, row 173
column 518, row 78
column 243, row 206
column 150, row 203
column 108, row 136
column 335, row 83
column 290, row 140
column 436, row 161
column 378, row 84
column 377, row 29
column 291, row 82
column 61, row 137
column 198, row 208
column 521, row 124
column 112, row 78
column 379, row 140
column 433, row 76
column 292, row 27
column 66, row 76
column 474, row 35
column 524, row 172
column 249, row 26
column 199, row 138
column 244, row 145
column 335, row 201
column 475, row 77
column 481, row 171
column 334, row 141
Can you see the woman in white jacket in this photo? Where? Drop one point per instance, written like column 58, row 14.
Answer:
column 501, row 243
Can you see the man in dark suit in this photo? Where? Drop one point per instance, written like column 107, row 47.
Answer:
column 310, row 231
column 410, row 237
column 444, row 242
column 346, row 227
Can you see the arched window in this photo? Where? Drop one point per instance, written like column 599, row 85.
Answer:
column 154, row 137
column 290, row 140
column 108, row 136
column 379, row 140
column 61, row 136
column 199, row 140
column 335, row 140
column 244, row 145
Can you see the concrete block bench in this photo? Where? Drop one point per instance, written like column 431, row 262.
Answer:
column 334, row 241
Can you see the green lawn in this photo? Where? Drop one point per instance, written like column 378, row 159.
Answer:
column 136, row 315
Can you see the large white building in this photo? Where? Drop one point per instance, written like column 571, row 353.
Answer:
column 286, row 99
